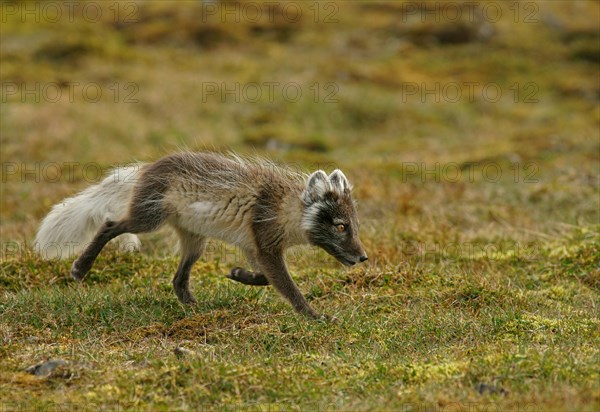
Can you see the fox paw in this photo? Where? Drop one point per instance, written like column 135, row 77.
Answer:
column 77, row 272
column 188, row 300
column 327, row 318
column 184, row 295
column 247, row 278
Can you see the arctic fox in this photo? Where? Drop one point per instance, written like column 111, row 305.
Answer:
column 255, row 205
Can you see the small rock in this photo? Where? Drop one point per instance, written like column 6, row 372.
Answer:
column 44, row 369
column 182, row 352
column 483, row 388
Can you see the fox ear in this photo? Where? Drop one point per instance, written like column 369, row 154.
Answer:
column 316, row 186
column 339, row 182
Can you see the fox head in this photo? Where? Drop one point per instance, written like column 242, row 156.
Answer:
column 330, row 219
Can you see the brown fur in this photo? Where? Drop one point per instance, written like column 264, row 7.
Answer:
column 255, row 205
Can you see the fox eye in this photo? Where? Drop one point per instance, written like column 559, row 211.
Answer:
column 340, row 228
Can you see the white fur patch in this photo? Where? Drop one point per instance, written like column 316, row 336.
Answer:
column 309, row 219
column 202, row 208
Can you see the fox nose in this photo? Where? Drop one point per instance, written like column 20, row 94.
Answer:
column 363, row 258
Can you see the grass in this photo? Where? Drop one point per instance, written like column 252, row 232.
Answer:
column 481, row 291
column 429, row 330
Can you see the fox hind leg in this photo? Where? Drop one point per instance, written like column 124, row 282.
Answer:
column 191, row 246
column 107, row 232
column 140, row 220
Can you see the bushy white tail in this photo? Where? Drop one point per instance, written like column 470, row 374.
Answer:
column 72, row 224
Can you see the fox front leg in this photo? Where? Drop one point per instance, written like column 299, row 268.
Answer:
column 247, row 277
column 275, row 271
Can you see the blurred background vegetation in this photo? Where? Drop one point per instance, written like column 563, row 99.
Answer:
column 384, row 86
column 470, row 131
